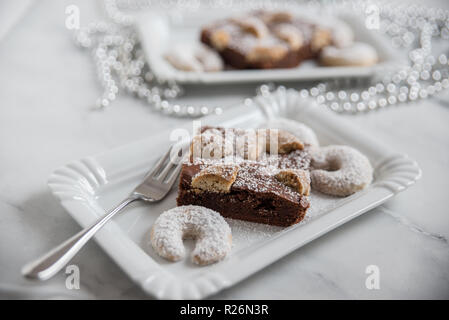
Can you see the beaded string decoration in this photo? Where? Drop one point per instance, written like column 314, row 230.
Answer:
column 121, row 65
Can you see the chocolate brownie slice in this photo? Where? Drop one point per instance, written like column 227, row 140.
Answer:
column 265, row 40
column 239, row 187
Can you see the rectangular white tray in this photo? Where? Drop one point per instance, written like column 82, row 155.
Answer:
column 158, row 31
column 89, row 187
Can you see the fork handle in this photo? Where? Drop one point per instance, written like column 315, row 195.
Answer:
column 52, row 262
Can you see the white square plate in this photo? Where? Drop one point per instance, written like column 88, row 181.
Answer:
column 159, row 31
column 89, row 187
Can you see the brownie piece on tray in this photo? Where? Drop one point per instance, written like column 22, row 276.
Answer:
column 265, row 40
column 254, row 175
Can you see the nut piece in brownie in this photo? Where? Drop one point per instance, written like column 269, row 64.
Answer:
column 254, row 175
column 265, row 40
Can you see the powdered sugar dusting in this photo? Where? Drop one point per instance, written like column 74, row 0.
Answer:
column 256, row 168
column 245, row 233
column 258, row 175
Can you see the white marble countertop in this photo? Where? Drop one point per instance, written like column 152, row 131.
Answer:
column 46, row 119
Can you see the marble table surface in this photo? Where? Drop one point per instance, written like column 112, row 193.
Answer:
column 47, row 119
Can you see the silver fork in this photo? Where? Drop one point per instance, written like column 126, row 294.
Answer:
column 155, row 186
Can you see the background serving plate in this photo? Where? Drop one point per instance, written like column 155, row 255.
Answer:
column 159, row 31
column 89, row 187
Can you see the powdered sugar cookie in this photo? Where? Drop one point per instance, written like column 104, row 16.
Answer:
column 342, row 34
column 194, row 57
column 357, row 54
column 209, row 229
column 340, row 170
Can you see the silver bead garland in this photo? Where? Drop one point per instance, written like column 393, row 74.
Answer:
column 425, row 77
column 121, row 64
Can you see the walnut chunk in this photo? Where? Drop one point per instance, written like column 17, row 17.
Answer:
column 276, row 17
column 283, row 140
column 252, row 25
column 321, row 38
column 220, row 39
column 248, row 145
column 298, row 180
column 216, row 178
column 210, row 145
column 291, row 35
